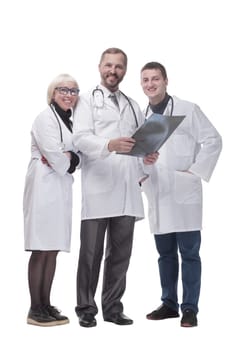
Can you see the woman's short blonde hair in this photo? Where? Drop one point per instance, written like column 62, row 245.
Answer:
column 61, row 78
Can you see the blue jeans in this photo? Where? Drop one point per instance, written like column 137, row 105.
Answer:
column 188, row 244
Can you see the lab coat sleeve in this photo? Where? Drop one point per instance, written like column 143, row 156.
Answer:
column 145, row 171
column 84, row 138
column 211, row 145
column 46, row 132
column 79, row 166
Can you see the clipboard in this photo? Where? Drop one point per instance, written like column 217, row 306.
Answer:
column 151, row 135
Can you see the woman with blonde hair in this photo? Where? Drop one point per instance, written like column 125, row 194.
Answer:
column 47, row 202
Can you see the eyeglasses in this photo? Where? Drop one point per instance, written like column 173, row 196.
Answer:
column 65, row 90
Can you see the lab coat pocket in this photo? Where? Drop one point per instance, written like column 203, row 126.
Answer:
column 98, row 177
column 181, row 143
column 165, row 181
column 187, row 188
column 55, row 188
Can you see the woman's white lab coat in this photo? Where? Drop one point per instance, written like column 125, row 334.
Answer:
column 174, row 195
column 109, row 181
column 47, row 200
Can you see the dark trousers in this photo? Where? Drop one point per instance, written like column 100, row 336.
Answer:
column 188, row 244
column 117, row 256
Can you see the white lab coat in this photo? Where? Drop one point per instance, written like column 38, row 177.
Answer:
column 47, row 202
column 109, row 181
column 175, row 196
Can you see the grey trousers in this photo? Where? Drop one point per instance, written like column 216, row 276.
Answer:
column 117, row 256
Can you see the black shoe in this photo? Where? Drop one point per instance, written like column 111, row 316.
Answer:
column 40, row 317
column 54, row 312
column 119, row 318
column 189, row 318
column 162, row 313
column 87, row 320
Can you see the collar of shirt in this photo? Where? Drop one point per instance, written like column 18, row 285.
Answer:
column 64, row 115
column 108, row 92
column 161, row 106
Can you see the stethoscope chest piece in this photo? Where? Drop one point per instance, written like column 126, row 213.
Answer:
column 98, row 95
column 62, row 146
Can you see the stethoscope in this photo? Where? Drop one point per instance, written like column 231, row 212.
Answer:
column 62, row 145
column 98, row 96
column 171, row 110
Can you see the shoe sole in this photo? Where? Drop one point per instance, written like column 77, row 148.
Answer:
column 161, row 318
column 87, row 325
column 119, row 324
column 61, row 322
column 46, row 324
column 188, row 325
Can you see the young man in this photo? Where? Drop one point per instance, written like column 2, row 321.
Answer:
column 174, row 193
column 111, row 195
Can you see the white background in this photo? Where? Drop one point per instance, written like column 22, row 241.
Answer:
column 40, row 39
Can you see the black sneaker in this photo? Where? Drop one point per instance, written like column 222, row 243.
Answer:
column 162, row 313
column 189, row 318
column 40, row 317
column 54, row 312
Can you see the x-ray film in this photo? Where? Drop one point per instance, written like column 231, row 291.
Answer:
column 151, row 135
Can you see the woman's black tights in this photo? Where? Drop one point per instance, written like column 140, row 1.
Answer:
column 41, row 270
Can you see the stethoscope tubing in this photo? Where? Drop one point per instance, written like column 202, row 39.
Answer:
column 97, row 89
column 59, row 124
column 171, row 111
